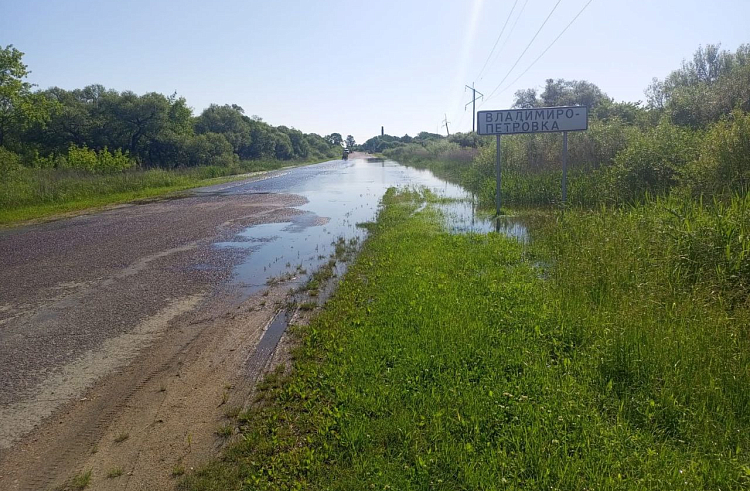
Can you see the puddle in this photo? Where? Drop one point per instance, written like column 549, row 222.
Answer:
column 340, row 194
column 461, row 216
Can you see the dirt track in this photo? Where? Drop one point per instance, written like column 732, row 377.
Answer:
column 122, row 345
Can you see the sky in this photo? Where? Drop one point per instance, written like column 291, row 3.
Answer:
column 351, row 66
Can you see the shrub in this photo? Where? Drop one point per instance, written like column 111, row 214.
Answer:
column 10, row 162
column 653, row 161
column 102, row 162
column 723, row 165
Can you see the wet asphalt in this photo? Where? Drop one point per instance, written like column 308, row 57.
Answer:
column 69, row 285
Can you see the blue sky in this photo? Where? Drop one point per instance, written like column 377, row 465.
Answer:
column 350, row 67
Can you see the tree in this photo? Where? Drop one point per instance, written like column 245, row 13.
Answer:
column 229, row 121
column 136, row 120
column 563, row 92
column 334, row 139
column 706, row 88
column 350, row 142
column 526, row 99
column 19, row 107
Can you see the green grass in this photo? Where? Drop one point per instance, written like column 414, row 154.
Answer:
column 450, row 362
column 30, row 194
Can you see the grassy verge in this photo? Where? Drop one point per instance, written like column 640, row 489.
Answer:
column 30, row 194
column 448, row 362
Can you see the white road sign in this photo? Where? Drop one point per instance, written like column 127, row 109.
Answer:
column 537, row 120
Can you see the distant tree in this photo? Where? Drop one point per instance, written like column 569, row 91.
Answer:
column 468, row 140
column 706, row 88
column 563, row 92
column 350, row 142
column 426, row 135
column 136, row 120
column 230, row 122
column 300, row 146
column 283, row 147
column 41, row 128
column 334, row 139
column 526, row 99
column 19, row 107
column 655, row 94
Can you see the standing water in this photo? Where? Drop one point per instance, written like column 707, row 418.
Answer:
column 340, row 194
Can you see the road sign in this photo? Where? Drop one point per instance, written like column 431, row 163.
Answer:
column 536, row 120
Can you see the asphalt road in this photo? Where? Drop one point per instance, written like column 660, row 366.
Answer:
column 66, row 287
column 134, row 317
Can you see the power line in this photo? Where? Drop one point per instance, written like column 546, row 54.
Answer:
column 498, row 39
column 463, row 116
column 523, row 53
column 546, row 49
column 512, row 28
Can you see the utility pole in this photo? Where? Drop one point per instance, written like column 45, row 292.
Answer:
column 445, row 123
column 473, row 105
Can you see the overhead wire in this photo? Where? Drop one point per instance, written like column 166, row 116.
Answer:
column 546, row 49
column 512, row 28
column 498, row 39
column 522, row 53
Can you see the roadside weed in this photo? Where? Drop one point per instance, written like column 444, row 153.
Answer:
column 81, row 480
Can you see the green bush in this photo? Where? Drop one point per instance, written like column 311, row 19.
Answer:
column 723, row 165
column 10, row 163
column 102, row 162
column 653, row 161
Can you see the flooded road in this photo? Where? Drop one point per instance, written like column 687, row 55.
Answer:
column 340, row 195
column 147, row 320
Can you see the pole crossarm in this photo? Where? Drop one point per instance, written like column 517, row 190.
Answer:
column 473, row 103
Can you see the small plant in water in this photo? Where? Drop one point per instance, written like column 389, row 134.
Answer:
column 308, row 306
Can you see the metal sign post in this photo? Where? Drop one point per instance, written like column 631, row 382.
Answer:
column 497, row 176
column 565, row 167
column 536, row 120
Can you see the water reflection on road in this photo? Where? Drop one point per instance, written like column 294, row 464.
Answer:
column 340, row 194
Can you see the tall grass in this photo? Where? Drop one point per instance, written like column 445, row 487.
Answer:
column 658, row 295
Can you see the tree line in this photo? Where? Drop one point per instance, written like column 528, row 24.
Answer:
column 50, row 128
